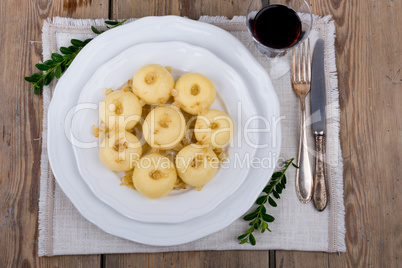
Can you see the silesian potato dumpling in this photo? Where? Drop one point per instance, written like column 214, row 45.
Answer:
column 215, row 128
column 164, row 127
column 120, row 150
column 120, row 109
column 154, row 176
column 196, row 164
column 195, row 93
column 153, row 84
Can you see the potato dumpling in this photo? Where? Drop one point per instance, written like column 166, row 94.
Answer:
column 215, row 128
column 195, row 93
column 154, row 176
column 196, row 164
column 164, row 127
column 153, row 84
column 120, row 150
column 120, row 109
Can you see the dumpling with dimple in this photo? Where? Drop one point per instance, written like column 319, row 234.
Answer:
column 195, row 93
column 120, row 150
column 164, row 127
column 154, row 176
column 215, row 128
column 153, row 83
column 120, row 109
column 196, row 164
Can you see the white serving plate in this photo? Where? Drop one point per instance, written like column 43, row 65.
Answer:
column 181, row 205
column 105, row 47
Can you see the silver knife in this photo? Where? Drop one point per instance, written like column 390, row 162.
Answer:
column 318, row 104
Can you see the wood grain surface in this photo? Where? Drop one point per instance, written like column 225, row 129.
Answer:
column 369, row 59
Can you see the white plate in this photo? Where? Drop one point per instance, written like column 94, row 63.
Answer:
column 182, row 205
column 105, row 47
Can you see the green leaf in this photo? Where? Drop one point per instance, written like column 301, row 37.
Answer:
column 86, row 41
column 65, row 50
column 37, row 90
column 63, row 67
column 42, row 67
column 37, row 75
column 68, row 57
column 275, row 193
column 242, row 236
column 278, row 188
column 50, row 63
column 95, row 30
column 48, row 78
column 268, row 218
column 243, row 241
column 263, row 210
column 284, row 179
column 73, row 48
column 111, row 22
column 30, row 79
column 34, row 78
column 57, row 72
column 277, row 174
column 261, row 199
column 256, row 225
column 272, row 202
column 250, row 216
column 267, row 189
column 252, row 239
column 77, row 42
column 57, row 57
column 296, row 166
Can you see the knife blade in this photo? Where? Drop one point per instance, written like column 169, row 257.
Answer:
column 318, row 93
column 318, row 104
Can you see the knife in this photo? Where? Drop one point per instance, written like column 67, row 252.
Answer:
column 318, row 103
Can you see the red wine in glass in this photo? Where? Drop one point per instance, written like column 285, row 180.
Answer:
column 277, row 27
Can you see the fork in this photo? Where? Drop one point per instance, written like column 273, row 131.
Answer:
column 301, row 79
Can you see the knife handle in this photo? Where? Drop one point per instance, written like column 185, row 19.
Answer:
column 304, row 174
column 320, row 196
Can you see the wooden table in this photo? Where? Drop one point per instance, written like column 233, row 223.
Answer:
column 369, row 59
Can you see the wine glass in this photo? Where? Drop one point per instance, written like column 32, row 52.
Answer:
column 278, row 26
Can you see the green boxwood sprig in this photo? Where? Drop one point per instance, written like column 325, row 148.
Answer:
column 59, row 62
column 259, row 218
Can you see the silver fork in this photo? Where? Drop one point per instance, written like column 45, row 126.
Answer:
column 301, row 79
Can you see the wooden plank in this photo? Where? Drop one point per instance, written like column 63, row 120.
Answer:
column 369, row 59
column 136, row 9
column 189, row 8
column 193, row 259
column 21, row 128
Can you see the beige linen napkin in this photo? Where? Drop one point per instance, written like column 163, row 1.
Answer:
column 62, row 230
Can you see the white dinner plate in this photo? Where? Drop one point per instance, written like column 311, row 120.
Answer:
column 180, row 205
column 107, row 46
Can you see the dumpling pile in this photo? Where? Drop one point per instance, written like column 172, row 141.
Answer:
column 161, row 133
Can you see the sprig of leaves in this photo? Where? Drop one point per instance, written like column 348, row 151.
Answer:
column 110, row 24
column 259, row 218
column 59, row 62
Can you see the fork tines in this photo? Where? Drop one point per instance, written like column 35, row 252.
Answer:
column 301, row 69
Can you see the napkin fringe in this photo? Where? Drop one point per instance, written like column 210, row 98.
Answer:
column 220, row 19
column 45, row 217
column 339, row 226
